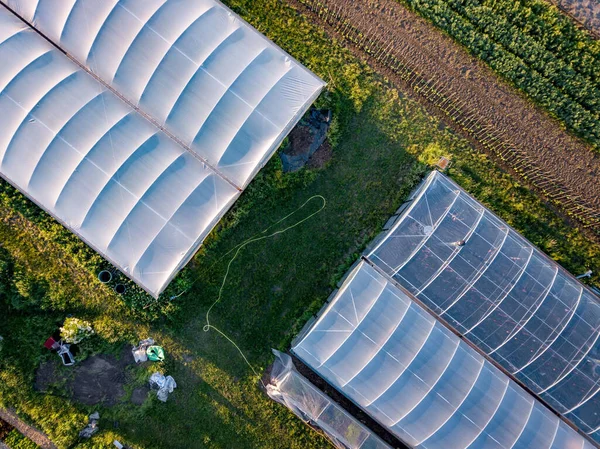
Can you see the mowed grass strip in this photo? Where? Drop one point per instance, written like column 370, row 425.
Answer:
column 382, row 143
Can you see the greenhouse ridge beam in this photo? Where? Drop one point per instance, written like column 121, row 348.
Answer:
column 124, row 99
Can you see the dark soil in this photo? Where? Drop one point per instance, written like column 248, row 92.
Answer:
column 46, row 376
column 307, row 139
column 139, row 395
column 5, row 429
column 300, row 139
column 426, row 50
column 99, row 379
column 321, row 156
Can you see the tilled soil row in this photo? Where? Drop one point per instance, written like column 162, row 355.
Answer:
column 469, row 96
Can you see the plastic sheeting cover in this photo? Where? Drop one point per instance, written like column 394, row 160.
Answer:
column 98, row 166
column 418, row 379
column 502, row 293
column 293, row 390
column 215, row 83
column 191, row 102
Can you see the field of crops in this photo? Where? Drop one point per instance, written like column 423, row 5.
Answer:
column 533, row 46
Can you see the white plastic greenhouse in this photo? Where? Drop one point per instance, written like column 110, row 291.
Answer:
column 143, row 123
column 503, row 294
column 417, row 378
column 306, row 401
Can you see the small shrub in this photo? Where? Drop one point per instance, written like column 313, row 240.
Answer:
column 75, row 330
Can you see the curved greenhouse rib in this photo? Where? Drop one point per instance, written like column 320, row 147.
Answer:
column 517, row 328
column 480, row 273
column 254, row 110
column 135, row 38
column 569, row 371
column 594, row 392
column 168, row 221
column 85, row 153
column 426, row 239
column 68, row 122
column 64, row 26
column 457, row 408
column 452, row 256
column 30, row 112
column 482, row 429
column 20, row 70
column 524, row 424
column 187, row 84
column 387, row 339
column 401, row 372
column 99, row 33
column 407, row 212
column 556, row 337
column 173, row 46
column 13, row 35
column 430, row 387
column 358, row 324
column 113, row 177
column 141, row 199
column 518, row 278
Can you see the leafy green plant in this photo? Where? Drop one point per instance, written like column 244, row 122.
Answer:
column 535, row 47
column 75, row 330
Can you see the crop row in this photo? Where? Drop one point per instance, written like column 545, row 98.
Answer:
column 529, row 44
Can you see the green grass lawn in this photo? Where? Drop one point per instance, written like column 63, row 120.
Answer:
column 382, row 143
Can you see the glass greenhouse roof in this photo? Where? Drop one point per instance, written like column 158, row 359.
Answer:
column 418, row 379
column 500, row 292
column 145, row 132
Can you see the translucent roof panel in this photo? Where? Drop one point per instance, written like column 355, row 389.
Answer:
column 418, row 379
column 221, row 88
column 97, row 165
column 297, row 393
column 500, row 292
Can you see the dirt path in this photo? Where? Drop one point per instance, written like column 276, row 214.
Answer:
column 469, row 97
column 28, row 431
column 585, row 12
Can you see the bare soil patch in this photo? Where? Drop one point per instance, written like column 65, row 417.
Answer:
column 307, row 139
column 321, row 156
column 99, row 379
column 585, row 12
column 5, row 429
column 491, row 100
column 139, row 395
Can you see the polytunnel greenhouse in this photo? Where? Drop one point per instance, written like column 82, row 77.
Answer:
column 502, row 293
column 418, row 379
column 142, row 122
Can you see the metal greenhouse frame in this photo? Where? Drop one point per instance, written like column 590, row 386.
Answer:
column 452, row 325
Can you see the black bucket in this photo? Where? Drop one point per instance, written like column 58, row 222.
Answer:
column 105, row 276
column 120, row 289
